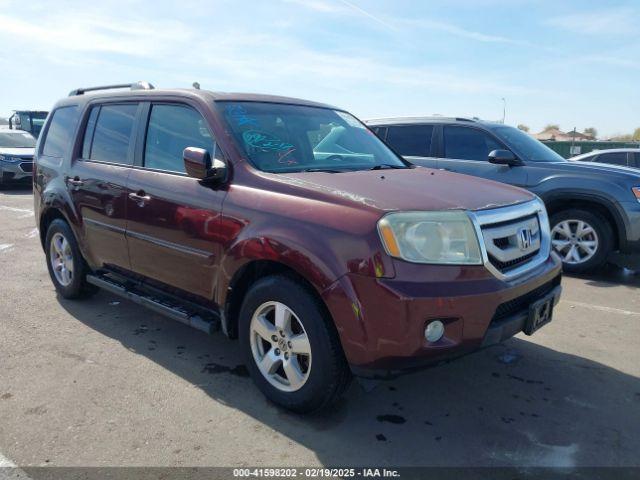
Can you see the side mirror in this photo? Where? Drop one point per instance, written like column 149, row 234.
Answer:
column 504, row 157
column 198, row 164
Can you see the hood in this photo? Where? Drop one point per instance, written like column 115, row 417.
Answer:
column 590, row 168
column 410, row 189
column 18, row 152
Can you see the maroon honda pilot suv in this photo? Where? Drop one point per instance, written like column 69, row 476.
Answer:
column 289, row 225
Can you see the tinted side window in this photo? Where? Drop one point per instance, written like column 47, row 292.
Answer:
column 411, row 140
column 113, row 134
column 636, row 164
column 60, row 131
column 172, row 128
column 614, row 158
column 468, row 143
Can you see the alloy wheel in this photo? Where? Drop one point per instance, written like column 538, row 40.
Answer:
column 575, row 241
column 280, row 346
column 61, row 258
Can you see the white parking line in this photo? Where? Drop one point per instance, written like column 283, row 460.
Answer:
column 9, row 470
column 602, row 308
column 32, row 234
column 26, row 213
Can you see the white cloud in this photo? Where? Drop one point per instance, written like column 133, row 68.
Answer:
column 319, row 5
column 611, row 21
column 457, row 31
column 91, row 33
column 266, row 59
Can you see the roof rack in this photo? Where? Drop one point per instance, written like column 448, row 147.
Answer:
column 131, row 86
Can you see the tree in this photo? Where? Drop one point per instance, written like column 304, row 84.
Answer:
column 551, row 126
column 636, row 135
column 591, row 131
column 523, row 127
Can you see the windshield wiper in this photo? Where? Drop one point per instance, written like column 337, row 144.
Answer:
column 320, row 169
column 384, row 166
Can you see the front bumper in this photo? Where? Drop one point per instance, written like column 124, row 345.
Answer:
column 381, row 321
column 20, row 172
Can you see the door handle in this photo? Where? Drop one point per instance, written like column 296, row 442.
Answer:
column 140, row 198
column 75, row 182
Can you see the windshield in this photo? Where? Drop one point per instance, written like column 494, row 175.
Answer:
column 17, row 140
column 527, row 146
column 295, row 138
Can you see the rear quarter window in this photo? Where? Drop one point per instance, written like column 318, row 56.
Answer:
column 60, row 131
column 613, row 158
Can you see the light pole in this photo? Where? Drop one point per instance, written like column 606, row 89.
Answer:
column 504, row 109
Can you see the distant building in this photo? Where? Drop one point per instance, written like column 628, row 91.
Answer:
column 556, row 135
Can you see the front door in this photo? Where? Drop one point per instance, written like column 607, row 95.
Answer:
column 466, row 150
column 173, row 220
column 97, row 182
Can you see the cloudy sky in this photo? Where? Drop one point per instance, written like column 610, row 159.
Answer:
column 572, row 62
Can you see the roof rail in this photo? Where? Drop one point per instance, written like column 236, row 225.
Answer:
column 131, row 86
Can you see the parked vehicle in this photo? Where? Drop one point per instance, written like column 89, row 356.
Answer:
column 28, row 120
column 624, row 157
column 290, row 226
column 16, row 156
column 594, row 209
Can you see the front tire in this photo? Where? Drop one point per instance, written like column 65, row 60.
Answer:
column 67, row 267
column 582, row 239
column 290, row 346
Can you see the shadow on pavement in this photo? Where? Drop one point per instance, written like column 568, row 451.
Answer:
column 19, row 190
column 610, row 276
column 518, row 403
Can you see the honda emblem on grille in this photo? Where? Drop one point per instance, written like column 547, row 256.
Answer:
column 524, row 238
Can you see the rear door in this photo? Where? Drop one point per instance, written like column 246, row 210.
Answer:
column 173, row 227
column 412, row 142
column 466, row 150
column 97, row 180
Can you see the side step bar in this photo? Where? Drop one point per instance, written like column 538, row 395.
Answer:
column 208, row 323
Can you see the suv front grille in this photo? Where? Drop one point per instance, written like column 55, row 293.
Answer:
column 515, row 238
column 521, row 304
column 511, row 264
column 27, row 167
column 505, row 249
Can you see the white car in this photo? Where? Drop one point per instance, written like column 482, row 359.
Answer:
column 16, row 156
column 627, row 157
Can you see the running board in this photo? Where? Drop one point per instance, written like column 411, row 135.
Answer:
column 209, row 324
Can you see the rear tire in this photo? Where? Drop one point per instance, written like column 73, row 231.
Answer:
column 582, row 239
column 67, row 268
column 320, row 376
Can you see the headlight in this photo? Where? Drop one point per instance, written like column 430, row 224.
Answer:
column 444, row 237
column 9, row 159
column 636, row 192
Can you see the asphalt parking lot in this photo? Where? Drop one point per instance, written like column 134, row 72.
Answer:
column 106, row 382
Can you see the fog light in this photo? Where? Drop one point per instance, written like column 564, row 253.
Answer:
column 434, row 331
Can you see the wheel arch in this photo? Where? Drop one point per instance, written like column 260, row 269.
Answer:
column 247, row 275
column 46, row 218
column 606, row 208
